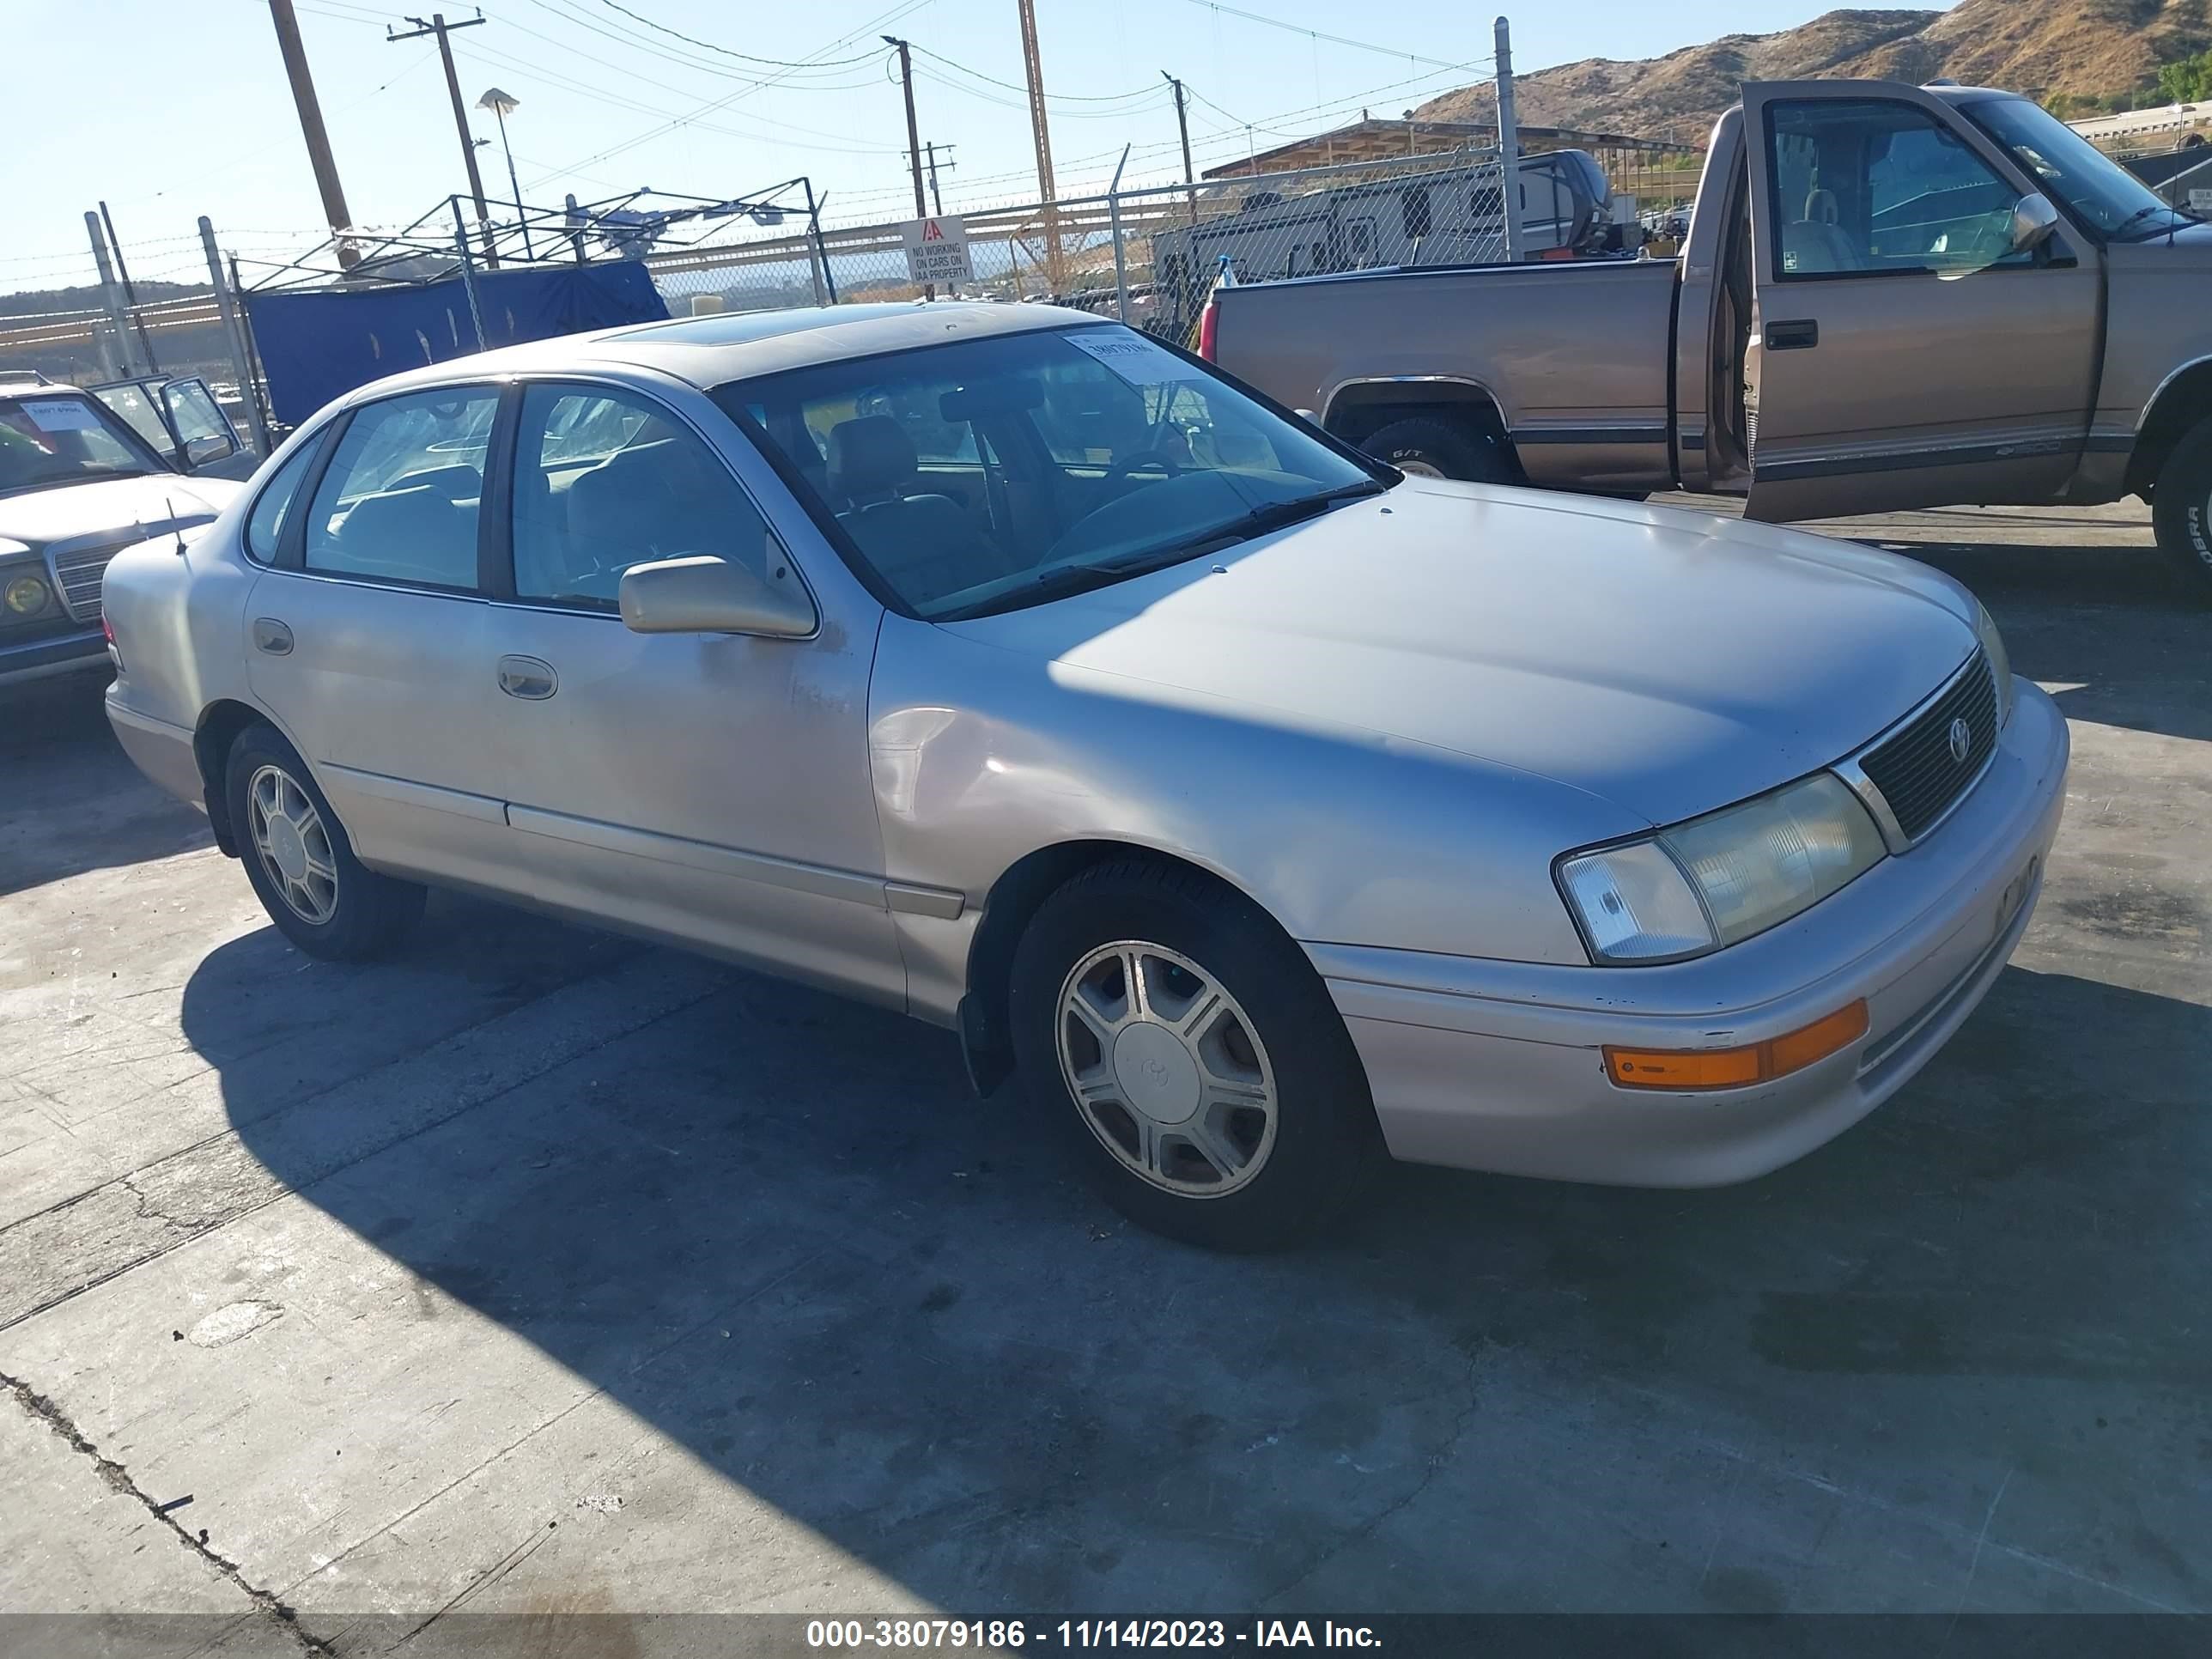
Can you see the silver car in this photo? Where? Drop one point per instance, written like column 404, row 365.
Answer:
column 1267, row 811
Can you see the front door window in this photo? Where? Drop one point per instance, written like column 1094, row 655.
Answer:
column 1869, row 187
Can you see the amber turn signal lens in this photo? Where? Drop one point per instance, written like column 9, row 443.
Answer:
column 1732, row 1068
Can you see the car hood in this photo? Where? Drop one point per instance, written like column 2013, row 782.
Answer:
column 112, row 509
column 1670, row 662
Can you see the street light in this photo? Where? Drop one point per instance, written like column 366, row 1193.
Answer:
column 499, row 103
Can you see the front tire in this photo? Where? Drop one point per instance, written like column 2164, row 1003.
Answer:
column 1190, row 1058
column 1434, row 446
column 302, row 865
column 2181, row 508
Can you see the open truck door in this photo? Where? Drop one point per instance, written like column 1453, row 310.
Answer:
column 182, row 420
column 1924, row 328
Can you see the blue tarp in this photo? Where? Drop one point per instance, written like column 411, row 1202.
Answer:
column 317, row 344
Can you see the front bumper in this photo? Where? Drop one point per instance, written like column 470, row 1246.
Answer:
column 56, row 653
column 1496, row 1066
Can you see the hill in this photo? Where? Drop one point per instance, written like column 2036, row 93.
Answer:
column 2083, row 48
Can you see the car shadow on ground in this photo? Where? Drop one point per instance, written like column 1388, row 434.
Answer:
column 2151, row 672
column 74, row 802
column 776, row 1227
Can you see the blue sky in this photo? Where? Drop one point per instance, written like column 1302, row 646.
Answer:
column 198, row 119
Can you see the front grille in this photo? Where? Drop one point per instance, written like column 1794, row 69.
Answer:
column 78, row 572
column 1917, row 770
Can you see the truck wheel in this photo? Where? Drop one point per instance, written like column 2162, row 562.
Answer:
column 1190, row 1057
column 296, row 855
column 2181, row 509
column 1429, row 446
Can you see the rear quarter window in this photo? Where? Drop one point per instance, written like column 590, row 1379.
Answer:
column 265, row 525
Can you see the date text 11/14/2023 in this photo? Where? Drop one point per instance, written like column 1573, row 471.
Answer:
column 1008, row 1634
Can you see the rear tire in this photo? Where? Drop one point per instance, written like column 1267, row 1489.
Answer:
column 1438, row 447
column 297, row 855
column 2181, row 508
column 1223, row 1105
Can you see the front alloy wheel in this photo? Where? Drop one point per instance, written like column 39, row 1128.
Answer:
column 1183, row 1049
column 1166, row 1069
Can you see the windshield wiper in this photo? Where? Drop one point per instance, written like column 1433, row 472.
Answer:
column 1070, row 579
column 1275, row 515
column 2140, row 214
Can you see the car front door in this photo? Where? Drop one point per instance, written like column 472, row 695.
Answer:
column 365, row 634
column 710, row 789
column 1903, row 352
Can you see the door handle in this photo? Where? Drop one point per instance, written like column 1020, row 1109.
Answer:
column 528, row 678
column 271, row 636
column 1801, row 336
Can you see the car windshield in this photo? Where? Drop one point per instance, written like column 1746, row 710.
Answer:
column 64, row 439
column 2113, row 200
column 989, row 474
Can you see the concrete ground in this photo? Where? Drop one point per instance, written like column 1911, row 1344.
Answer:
column 537, row 1271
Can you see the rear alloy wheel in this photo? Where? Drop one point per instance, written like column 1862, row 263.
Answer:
column 1435, row 447
column 2181, row 510
column 296, row 855
column 1190, row 1058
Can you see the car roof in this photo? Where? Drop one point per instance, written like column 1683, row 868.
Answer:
column 712, row 351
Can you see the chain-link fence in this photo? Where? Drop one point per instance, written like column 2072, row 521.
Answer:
column 1151, row 254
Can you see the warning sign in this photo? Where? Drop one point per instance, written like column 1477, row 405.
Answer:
column 936, row 251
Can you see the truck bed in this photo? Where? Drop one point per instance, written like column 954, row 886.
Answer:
column 1575, row 356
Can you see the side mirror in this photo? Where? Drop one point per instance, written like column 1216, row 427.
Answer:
column 202, row 451
column 2033, row 219
column 704, row 595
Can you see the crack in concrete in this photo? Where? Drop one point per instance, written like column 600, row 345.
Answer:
column 117, row 1479
column 1367, row 1528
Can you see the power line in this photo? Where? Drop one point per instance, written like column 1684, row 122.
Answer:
column 774, row 63
column 616, row 100
column 1055, row 98
column 1319, row 34
column 877, row 22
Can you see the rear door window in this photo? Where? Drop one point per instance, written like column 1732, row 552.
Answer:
column 404, row 490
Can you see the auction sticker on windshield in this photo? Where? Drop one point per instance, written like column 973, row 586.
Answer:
column 60, row 415
column 1132, row 357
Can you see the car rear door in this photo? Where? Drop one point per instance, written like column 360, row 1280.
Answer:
column 365, row 636
column 1902, row 353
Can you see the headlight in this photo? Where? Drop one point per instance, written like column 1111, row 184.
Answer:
column 1999, row 664
column 1723, row 877
column 26, row 596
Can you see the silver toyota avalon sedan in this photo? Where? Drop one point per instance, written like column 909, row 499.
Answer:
column 1266, row 812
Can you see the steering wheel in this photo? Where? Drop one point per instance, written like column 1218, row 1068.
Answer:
column 1146, row 459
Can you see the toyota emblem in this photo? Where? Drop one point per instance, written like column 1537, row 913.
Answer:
column 1962, row 739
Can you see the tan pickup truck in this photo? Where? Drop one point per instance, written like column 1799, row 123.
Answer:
column 1890, row 296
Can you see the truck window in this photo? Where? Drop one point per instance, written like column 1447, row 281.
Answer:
column 1869, row 187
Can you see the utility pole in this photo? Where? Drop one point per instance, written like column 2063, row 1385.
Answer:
column 1182, row 127
column 912, row 139
column 913, row 133
column 439, row 27
column 937, row 196
column 1055, row 271
column 311, row 129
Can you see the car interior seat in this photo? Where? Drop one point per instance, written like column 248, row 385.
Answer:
column 415, row 533
column 926, row 545
column 1817, row 241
